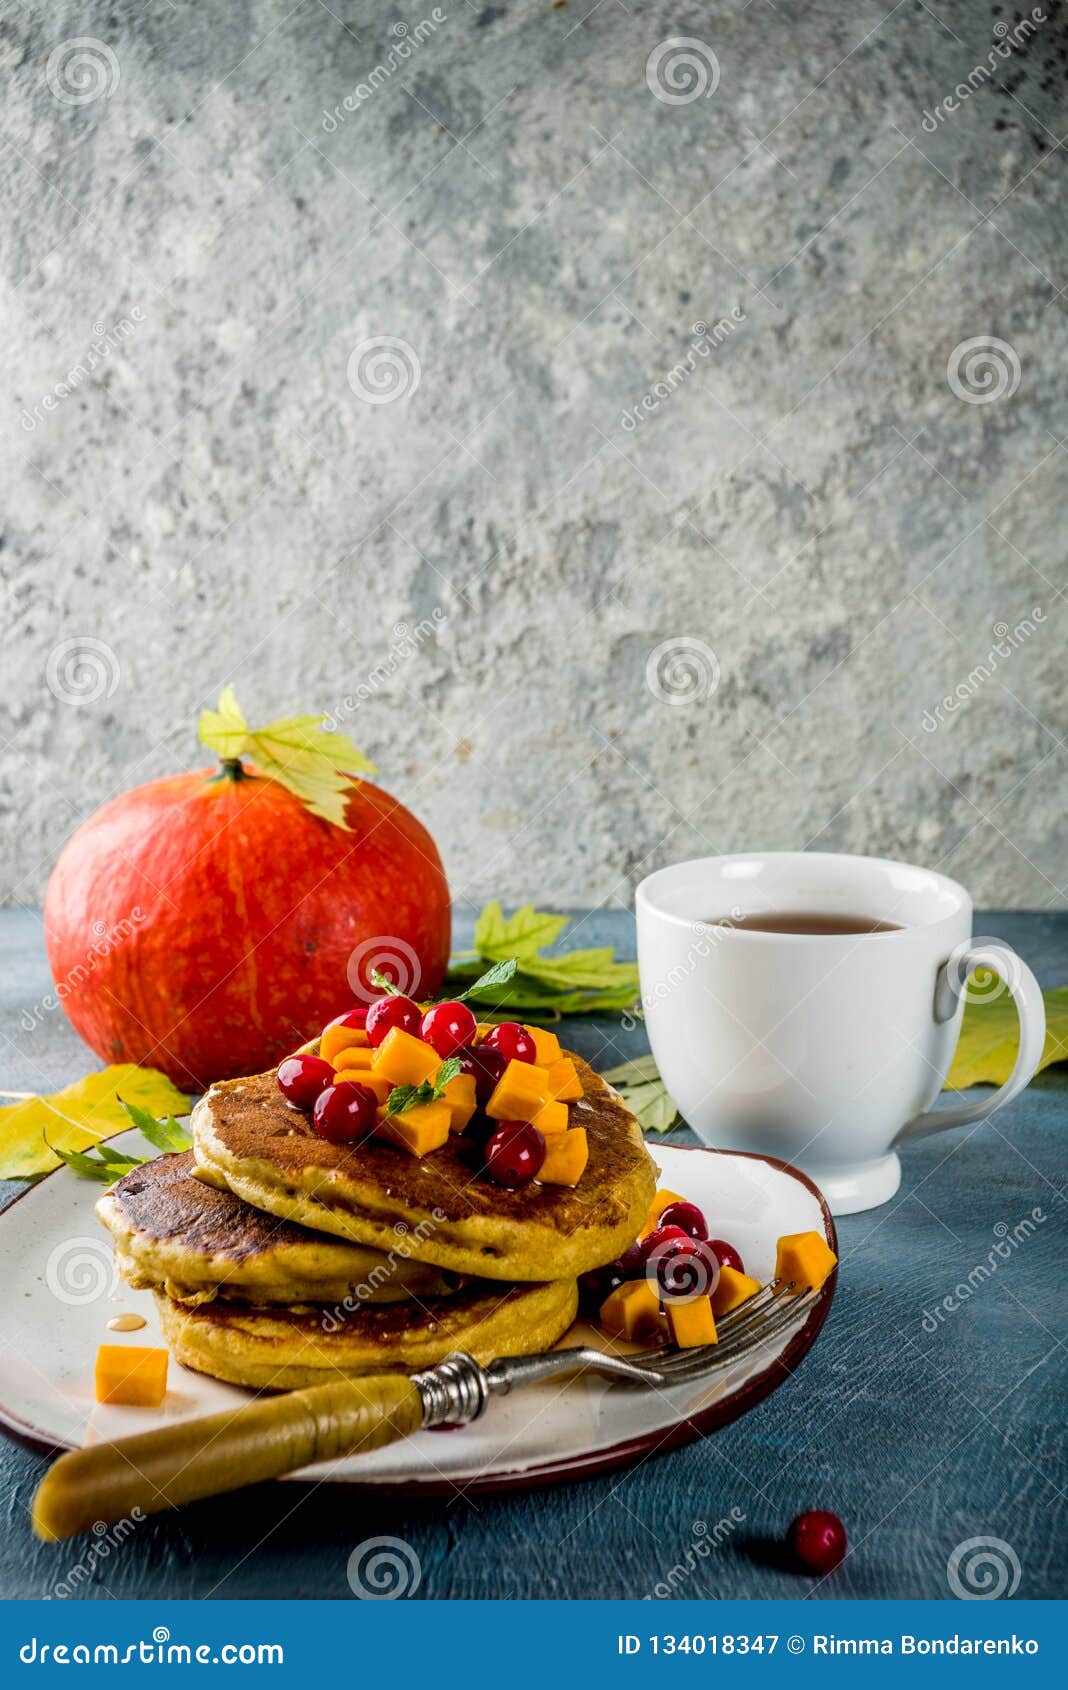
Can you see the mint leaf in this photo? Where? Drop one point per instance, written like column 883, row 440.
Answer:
column 379, row 979
column 428, row 1091
column 498, row 975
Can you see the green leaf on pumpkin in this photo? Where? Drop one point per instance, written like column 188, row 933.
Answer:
column 36, row 1131
column 990, row 1038
column 317, row 764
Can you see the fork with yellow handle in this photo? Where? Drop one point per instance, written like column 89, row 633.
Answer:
column 192, row 1459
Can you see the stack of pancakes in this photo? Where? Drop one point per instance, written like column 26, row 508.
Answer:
column 280, row 1260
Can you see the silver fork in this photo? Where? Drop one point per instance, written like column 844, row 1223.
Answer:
column 190, row 1459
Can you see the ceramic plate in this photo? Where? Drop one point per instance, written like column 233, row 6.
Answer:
column 61, row 1290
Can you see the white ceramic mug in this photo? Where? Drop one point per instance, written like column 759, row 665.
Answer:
column 822, row 1049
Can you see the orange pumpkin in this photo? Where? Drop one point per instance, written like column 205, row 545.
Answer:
column 208, row 923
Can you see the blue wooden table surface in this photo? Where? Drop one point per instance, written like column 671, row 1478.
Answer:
column 922, row 1433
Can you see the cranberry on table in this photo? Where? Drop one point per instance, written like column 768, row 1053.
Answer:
column 513, row 1041
column 688, row 1216
column 389, row 1012
column 726, row 1254
column 514, row 1154
column 356, row 1017
column 486, row 1066
column 345, row 1113
column 447, row 1027
column 817, row 1540
column 302, row 1078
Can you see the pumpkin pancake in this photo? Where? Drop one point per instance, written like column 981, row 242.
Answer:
column 173, row 1231
column 286, row 1349
column 268, row 1153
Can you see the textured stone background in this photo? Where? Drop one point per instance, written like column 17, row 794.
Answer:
column 814, row 504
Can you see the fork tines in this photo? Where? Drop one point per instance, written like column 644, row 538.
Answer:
column 764, row 1315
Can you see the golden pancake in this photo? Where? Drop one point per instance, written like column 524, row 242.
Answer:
column 286, row 1349
column 173, row 1231
column 268, row 1153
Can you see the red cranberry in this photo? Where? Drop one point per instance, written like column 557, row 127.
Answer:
column 632, row 1262
column 302, row 1078
column 594, row 1287
column 513, row 1041
column 685, row 1270
column 514, row 1153
column 817, row 1540
column 447, row 1027
column 389, row 1012
column 657, row 1242
column 480, row 1129
column 726, row 1254
column 688, row 1216
column 345, row 1113
column 487, row 1066
column 356, row 1017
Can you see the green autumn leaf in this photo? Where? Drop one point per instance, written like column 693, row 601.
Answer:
column 990, row 1038
column 643, row 1091
column 583, row 982
column 313, row 762
column 34, row 1131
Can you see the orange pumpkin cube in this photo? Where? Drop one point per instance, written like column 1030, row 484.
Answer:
column 374, row 1082
column 632, row 1311
column 732, row 1289
column 405, row 1060
column 566, row 1155
column 564, row 1083
column 546, row 1046
column 131, row 1374
column 804, row 1260
column 552, row 1117
column 519, row 1093
column 337, row 1039
column 459, row 1094
column 481, row 1029
column 662, row 1200
column 691, row 1322
column 423, row 1127
column 356, row 1057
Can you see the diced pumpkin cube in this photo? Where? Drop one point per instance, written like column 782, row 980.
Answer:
column 132, row 1374
column 732, row 1289
column 519, row 1093
column 459, row 1094
column 552, row 1117
column 804, row 1259
column 546, row 1046
column 405, row 1060
column 337, row 1039
column 632, row 1311
column 691, row 1322
column 374, row 1082
column 355, row 1057
column 661, row 1201
column 566, row 1155
column 423, row 1127
column 564, row 1083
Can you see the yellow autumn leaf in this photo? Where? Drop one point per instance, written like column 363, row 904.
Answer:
column 80, row 1115
column 314, row 763
column 990, row 1038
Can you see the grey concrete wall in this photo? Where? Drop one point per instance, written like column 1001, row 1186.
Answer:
column 684, row 484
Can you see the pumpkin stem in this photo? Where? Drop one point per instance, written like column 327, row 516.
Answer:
column 231, row 768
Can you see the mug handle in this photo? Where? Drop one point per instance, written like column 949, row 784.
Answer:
column 1030, row 1008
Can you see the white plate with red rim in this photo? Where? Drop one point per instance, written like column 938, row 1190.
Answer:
column 61, row 1291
